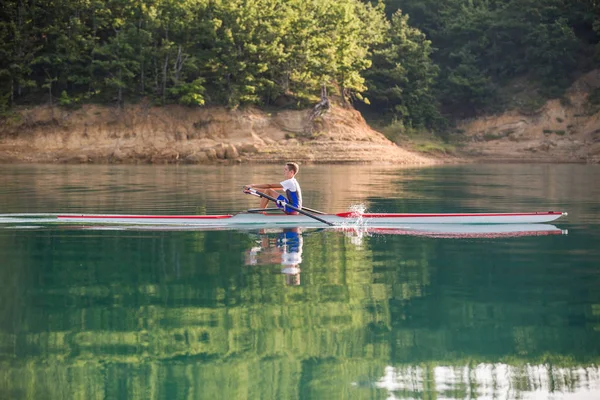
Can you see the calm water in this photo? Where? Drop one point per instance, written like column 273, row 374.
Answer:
column 180, row 314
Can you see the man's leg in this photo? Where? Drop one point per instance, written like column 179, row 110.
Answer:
column 264, row 202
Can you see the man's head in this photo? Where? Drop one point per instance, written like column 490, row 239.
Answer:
column 291, row 169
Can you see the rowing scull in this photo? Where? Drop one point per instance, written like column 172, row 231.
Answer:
column 280, row 219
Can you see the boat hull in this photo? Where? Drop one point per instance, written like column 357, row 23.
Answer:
column 302, row 220
column 257, row 219
column 478, row 225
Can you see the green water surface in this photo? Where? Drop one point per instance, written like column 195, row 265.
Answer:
column 162, row 314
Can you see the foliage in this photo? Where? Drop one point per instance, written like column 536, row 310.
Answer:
column 193, row 51
column 65, row 100
column 482, row 45
column 594, row 97
column 412, row 60
column 189, row 93
column 394, row 130
column 436, row 148
column 403, row 75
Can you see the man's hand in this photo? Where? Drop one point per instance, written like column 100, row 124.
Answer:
column 247, row 188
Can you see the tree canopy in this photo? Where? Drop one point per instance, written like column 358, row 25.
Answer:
column 481, row 45
column 410, row 59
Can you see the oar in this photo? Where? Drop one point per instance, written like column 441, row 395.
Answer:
column 266, row 196
column 312, row 210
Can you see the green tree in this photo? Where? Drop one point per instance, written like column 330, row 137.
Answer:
column 484, row 44
column 402, row 78
column 245, row 46
column 356, row 29
column 115, row 65
column 65, row 46
column 17, row 50
column 254, row 52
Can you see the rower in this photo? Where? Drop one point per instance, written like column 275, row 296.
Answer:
column 293, row 193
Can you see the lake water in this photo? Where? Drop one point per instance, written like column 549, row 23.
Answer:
column 123, row 314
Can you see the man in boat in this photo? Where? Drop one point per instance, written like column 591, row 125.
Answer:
column 293, row 193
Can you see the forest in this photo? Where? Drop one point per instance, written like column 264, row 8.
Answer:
column 421, row 63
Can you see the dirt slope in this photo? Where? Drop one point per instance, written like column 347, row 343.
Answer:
column 176, row 134
column 561, row 131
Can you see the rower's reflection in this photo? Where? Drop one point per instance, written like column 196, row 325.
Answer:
column 284, row 249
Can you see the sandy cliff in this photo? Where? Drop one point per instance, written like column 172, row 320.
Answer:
column 176, row 134
column 566, row 130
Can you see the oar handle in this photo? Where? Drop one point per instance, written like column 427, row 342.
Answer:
column 255, row 192
column 312, row 210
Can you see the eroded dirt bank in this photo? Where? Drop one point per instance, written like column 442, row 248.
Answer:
column 566, row 130
column 176, row 134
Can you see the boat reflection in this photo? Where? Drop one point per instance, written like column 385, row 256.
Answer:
column 282, row 247
column 459, row 231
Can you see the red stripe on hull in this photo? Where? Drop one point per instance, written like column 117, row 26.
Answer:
column 147, row 216
column 351, row 214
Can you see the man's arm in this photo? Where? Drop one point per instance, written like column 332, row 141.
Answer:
column 275, row 186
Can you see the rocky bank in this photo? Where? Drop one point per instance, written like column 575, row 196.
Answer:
column 175, row 134
column 565, row 130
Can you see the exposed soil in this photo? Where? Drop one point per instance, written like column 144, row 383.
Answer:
column 566, row 130
column 560, row 131
column 176, row 134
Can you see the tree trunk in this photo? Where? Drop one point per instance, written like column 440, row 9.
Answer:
column 319, row 109
column 20, row 11
column 142, row 77
column 165, row 68
column 178, row 65
column 91, row 66
column 164, row 82
column 120, row 71
column 156, row 87
column 120, row 92
column 343, row 89
column 141, row 61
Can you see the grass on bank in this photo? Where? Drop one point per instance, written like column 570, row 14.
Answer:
column 419, row 141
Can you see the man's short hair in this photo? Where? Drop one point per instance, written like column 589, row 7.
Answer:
column 293, row 166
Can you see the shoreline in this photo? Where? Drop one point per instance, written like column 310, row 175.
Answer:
column 142, row 134
column 455, row 160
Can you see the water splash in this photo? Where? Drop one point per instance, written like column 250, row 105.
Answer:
column 358, row 209
column 356, row 229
